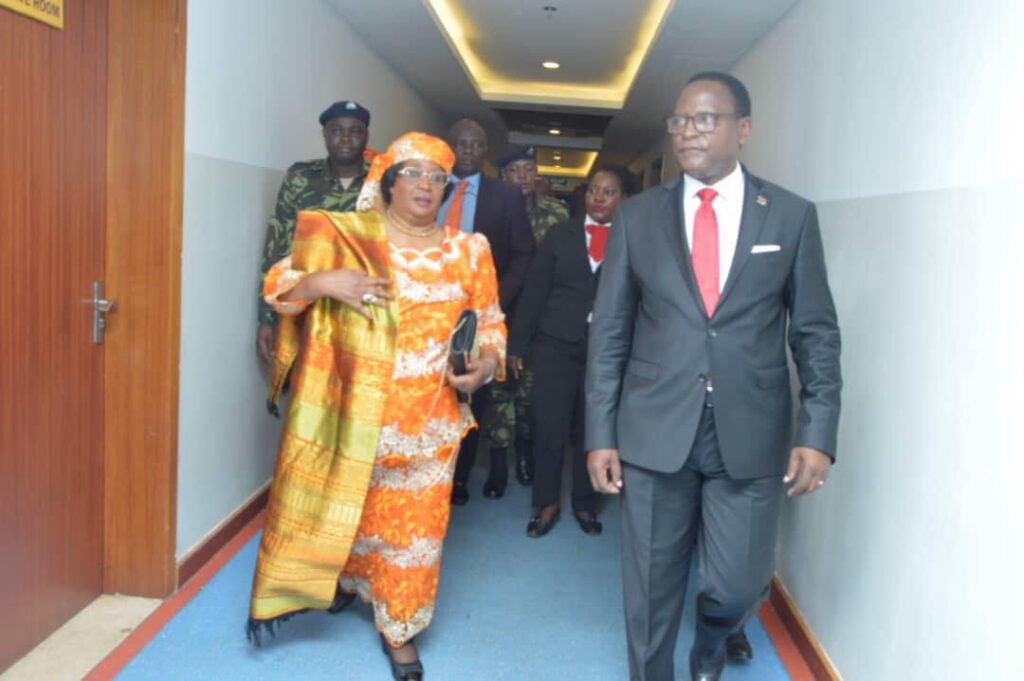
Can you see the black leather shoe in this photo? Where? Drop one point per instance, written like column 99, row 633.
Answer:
column 706, row 670
column 341, row 601
column 460, row 495
column 589, row 523
column 493, row 490
column 737, row 647
column 407, row 671
column 538, row 526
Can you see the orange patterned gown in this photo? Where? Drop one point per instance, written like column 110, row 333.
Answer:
column 394, row 560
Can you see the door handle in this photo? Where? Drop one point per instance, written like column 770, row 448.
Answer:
column 100, row 307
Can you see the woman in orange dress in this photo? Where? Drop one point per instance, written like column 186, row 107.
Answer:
column 360, row 497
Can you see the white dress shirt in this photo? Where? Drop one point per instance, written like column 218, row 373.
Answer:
column 728, row 205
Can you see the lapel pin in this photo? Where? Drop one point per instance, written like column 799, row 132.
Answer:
column 762, row 201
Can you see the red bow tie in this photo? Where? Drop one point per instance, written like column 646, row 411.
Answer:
column 598, row 238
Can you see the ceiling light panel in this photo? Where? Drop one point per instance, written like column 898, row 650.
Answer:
column 497, row 42
column 578, row 165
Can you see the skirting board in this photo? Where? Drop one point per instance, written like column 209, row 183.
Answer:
column 192, row 561
column 810, row 650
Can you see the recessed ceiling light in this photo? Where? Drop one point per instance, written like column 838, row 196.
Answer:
column 554, row 131
column 551, row 65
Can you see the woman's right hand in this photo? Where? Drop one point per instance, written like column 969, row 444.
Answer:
column 347, row 286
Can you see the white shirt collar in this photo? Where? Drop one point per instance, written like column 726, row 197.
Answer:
column 591, row 221
column 729, row 187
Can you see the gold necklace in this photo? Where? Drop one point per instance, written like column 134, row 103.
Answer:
column 421, row 233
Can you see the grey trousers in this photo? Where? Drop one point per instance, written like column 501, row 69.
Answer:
column 732, row 523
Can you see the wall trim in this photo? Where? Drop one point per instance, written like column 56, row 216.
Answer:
column 803, row 638
column 219, row 537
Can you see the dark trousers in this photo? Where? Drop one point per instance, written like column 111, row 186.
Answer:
column 483, row 412
column 733, row 524
column 557, row 403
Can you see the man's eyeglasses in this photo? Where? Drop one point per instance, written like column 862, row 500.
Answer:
column 703, row 122
column 437, row 178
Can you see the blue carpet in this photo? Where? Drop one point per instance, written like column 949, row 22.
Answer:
column 509, row 607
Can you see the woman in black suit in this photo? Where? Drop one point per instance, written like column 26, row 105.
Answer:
column 551, row 324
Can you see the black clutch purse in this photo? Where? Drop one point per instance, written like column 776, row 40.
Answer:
column 462, row 346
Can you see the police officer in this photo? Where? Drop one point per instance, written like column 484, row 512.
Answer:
column 518, row 167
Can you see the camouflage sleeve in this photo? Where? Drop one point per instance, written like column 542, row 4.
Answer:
column 278, row 243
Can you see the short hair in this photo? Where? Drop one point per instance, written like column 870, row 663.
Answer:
column 387, row 181
column 740, row 96
column 463, row 124
column 621, row 174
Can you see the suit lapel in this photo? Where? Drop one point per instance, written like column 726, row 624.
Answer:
column 675, row 228
column 482, row 196
column 576, row 243
column 755, row 208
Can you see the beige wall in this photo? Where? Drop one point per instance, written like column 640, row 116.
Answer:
column 898, row 118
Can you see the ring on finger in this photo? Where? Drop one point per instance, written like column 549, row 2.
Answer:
column 820, row 483
column 369, row 299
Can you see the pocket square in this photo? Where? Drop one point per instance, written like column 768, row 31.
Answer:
column 766, row 248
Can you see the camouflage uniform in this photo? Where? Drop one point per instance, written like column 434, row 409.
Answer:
column 307, row 185
column 509, row 402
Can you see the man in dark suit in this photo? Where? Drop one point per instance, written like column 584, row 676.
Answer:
column 551, row 328
column 689, row 409
column 480, row 204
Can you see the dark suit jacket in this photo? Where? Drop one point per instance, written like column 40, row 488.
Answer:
column 501, row 217
column 653, row 350
column 559, row 291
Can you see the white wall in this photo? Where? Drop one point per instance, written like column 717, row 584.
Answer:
column 259, row 72
column 897, row 117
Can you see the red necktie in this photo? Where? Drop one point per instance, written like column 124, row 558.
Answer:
column 705, row 250
column 453, row 219
column 598, row 238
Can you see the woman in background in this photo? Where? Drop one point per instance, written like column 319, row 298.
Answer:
column 359, row 503
column 551, row 324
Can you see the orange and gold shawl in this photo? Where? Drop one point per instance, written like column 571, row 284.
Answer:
column 339, row 387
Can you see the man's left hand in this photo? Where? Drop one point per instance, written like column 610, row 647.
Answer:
column 808, row 469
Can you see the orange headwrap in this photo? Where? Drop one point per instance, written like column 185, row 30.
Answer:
column 411, row 145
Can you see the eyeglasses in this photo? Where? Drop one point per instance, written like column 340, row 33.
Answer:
column 437, row 178
column 606, row 192
column 703, row 122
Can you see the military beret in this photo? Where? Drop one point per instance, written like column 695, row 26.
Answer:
column 517, row 154
column 345, row 108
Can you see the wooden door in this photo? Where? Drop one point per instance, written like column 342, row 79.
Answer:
column 53, row 105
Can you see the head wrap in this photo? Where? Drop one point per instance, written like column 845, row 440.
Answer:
column 411, row 145
column 517, row 154
column 346, row 108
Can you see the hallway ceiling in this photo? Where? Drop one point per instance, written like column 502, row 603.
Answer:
column 482, row 59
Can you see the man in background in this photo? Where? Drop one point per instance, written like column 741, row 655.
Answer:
column 518, row 168
column 481, row 204
column 331, row 183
